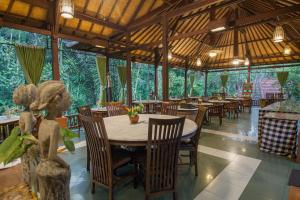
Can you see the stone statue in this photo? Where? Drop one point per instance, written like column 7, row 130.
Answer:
column 53, row 172
column 25, row 95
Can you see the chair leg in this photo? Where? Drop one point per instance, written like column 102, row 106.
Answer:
column 110, row 195
column 135, row 175
column 196, row 163
column 220, row 121
column 88, row 161
column 174, row 196
column 93, row 188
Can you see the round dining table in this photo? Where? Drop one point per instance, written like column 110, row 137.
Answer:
column 121, row 132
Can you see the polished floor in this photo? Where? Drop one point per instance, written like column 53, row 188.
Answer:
column 231, row 167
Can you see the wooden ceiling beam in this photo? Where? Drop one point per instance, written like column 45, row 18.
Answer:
column 241, row 22
column 228, row 60
column 254, row 67
column 221, row 5
column 46, row 4
column 95, row 20
column 155, row 19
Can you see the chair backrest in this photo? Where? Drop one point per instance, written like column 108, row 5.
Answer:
column 199, row 121
column 270, row 95
column 164, row 137
column 215, row 110
column 232, row 105
column 99, row 149
column 169, row 108
column 115, row 109
column 247, row 102
column 85, row 110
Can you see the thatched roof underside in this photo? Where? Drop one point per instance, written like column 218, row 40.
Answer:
column 109, row 22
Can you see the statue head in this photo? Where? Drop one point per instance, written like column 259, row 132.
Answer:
column 24, row 95
column 52, row 95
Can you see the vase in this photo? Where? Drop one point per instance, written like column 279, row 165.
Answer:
column 134, row 119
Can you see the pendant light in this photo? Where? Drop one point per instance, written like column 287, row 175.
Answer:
column 287, row 50
column 235, row 61
column 246, row 62
column 278, row 35
column 170, row 55
column 198, row 62
column 67, row 9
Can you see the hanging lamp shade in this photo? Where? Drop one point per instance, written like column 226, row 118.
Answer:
column 170, row 55
column 198, row 62
column 278, row 35
column 287, row 50
column 246, row 62
column 67, row 9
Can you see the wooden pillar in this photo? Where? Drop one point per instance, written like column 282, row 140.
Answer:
column 156, row 62
column 165, row 74
column 185, row 79
column 205, row 83
column 128, row 74
column 249, row 74
column 55, row 61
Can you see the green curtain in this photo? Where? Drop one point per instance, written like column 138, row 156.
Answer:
column 32, row 61
column 122, row 77
column 192, row 79
column 224, row 79
column 282, row 77
column 101, row 68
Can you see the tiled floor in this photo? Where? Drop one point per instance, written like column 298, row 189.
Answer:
column 231, row 167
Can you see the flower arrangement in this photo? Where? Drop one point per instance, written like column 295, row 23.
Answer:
column 133, row 113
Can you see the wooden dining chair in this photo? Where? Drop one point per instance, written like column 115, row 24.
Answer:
column 85, row 111
column 115, row 109
column 6, row 128
column 160, row 161
column 232, row 108
column 105, row 160
column 216, row 111
column 169, row 108
column 191, row 144
column 247, row 103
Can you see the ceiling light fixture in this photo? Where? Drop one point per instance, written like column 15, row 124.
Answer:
column 170, row 55
column 278, row 35
column 235, row 61
column 214, row 52
column 287, row 50
column 99, row 46
column 246, row 62
column 198, row 62
column 67, row 9
column 221, row 28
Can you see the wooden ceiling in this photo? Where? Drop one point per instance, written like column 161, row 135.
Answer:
column 249, row 28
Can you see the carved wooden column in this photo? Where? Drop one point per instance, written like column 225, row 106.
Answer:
column 165, row 74
column 205, row 83
column 128, row 74
column 55, row 61
column 185, row 79
column 156, row 62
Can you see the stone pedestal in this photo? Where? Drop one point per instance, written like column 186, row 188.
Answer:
column 30, row 161
column 54, row 181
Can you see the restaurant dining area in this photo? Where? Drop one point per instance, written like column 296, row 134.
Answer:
column 149, row 99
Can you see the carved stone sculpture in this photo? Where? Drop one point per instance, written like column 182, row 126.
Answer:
column 53, row 172
column 25, row 95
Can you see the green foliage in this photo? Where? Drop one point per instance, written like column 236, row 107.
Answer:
column 67, row 136
column 15, row 145
column 282, row 77
column 135, row 110
column 224, row 79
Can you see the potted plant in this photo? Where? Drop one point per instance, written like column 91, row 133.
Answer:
column 133, row 113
